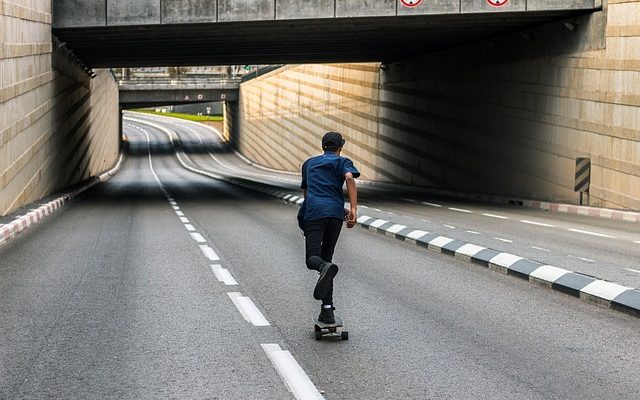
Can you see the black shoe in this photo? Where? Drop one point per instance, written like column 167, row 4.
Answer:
column 325, row 281
column 326, row 315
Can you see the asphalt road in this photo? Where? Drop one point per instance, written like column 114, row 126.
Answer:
column 116, row 297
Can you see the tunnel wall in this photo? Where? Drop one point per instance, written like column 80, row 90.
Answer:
column 505, row 116
column 57, row 125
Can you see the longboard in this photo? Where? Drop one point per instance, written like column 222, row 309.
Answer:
column 335, row 330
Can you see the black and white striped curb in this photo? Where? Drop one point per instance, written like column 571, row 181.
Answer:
column 24, row 222
column 585, row 287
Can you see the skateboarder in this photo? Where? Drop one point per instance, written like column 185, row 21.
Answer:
column 322, row 214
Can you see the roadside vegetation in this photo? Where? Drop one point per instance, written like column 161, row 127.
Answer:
column 189, row 117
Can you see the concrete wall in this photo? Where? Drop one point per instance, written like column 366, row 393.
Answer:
column 506, row 116
column 57, row 126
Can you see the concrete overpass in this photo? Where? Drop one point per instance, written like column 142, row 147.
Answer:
column 149, row 88
column 107, row 33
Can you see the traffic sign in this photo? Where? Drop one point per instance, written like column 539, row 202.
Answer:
column 410, row 3
column 497, row 3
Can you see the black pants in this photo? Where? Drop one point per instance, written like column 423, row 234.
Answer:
column 321, row 236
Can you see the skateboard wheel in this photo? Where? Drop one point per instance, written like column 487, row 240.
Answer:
column 318, row 335
column 345, row 335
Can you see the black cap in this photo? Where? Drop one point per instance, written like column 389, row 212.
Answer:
column 332, row 141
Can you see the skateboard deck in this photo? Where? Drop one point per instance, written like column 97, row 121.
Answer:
column 335, row 330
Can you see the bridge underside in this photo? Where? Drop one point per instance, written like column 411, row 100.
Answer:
column 148, row 98
column 383, row 39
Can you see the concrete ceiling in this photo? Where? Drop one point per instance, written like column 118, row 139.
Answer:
column 382, row 39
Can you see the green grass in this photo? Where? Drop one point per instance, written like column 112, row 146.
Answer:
column 189, row 117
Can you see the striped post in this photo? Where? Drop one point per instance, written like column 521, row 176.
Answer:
column 583, row 175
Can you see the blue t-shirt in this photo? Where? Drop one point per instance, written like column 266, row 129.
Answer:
column 323, row 177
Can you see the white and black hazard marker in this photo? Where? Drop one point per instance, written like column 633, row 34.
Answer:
column 497, row 3
column 410, row 3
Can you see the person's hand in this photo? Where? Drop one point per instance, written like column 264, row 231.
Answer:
column 352, row 217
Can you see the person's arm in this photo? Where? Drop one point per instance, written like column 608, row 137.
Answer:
column 352, row 191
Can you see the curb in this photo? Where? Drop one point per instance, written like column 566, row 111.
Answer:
column 35, row 216
column 587, row 288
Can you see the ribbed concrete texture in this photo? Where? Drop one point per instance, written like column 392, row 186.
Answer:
column 506, row 116
column 57, row 126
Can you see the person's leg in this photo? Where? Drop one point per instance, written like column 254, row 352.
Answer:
column 313, row 233
column 329, row 241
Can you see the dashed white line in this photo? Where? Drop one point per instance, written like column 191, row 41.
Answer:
column 633, row 270
column 637, row 242
column 495, row 216
column 209, row 253
column 460, row 210
column 184, row 220
column 377, row 209
column 293, row 375
column 503, row 240
column 539, row 248
column 591, row 233
column 474, row 232
column 223, row 275
column 581, row 258
column 198, row 237
column 431, row 204
column 179, row 213
column 449, row 226
column 524, row 221
column 248, row 309
column 189, row 227
column 175, row 207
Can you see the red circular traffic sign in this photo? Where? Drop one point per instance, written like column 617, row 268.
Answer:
column 497, row 3
column 410, row 3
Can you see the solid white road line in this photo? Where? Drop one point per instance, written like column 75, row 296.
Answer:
column 524, row 221
column 198, row 237
column 633, row 270
column 293, row 375
column 209, row 253
column 223, row 275
column 539, row 248
column 189, row 227
column 247, row 309
column 431, row 204
column 503, row 240
column 495, row 216
column 592, row 233
column 460, row 210
column 184, row 220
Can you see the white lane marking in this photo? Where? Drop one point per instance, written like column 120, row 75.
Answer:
column 248, row 309
column 637, row 242
column 363, row 206
column 189, row 227
column 209, row 253
column 581, row 258
column 539, row 248
column 377, row 209
column 474, row 232
column 293, row 375
column 431, row 204
column 448, row 226
column 633, row 270
column 184, row 220
column 223, row 275
column 524, row 221
column 606, row 290
column 173, row 203
column 591, row 233
column 495, row 216
column 198, row 237
column 179, row 213
column 175, row 207
column 459, row 210
column 503, row 240
column 549, row 273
